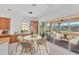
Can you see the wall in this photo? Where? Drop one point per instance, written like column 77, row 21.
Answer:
column 15, row 22
column 19, row 14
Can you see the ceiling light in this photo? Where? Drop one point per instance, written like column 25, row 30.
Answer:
column 34, row 4
column 9, row 9
column 30, row 12
column 49, row 5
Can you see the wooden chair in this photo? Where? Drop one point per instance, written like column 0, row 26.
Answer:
column 42, row 42
column 26, row 45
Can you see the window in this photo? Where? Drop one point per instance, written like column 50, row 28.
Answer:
column 25, row 27
column 75, row 26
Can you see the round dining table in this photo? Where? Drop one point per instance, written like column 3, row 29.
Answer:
column 32, row 38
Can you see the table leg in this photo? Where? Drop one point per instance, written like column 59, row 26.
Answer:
column 34, row 46
column 69, row 45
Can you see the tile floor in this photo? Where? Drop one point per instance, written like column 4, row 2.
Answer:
column 52, row 50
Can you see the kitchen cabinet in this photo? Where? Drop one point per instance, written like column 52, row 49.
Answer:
column 4, row 23
column 13, row 39
column 34, row 26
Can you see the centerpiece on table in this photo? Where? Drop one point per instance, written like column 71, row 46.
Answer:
column 33, row 34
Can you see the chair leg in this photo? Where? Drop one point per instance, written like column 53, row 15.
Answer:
column 39, row 49
column 25, row 50
column 22, row 50
column 17, row 46
column 46, row 47
column 31, row 51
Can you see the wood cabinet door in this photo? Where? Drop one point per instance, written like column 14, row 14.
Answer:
column 13, row 39
column 34, row 26
column 0, row 24
column 7, row 24
column 4, row 23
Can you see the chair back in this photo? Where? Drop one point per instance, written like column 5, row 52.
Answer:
column 20, row 38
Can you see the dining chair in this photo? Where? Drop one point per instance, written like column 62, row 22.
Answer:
column 20, row 38
column 42, row 42
column 25, row 44
column 26, row 47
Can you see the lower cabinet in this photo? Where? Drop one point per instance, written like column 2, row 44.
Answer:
column 13, row 39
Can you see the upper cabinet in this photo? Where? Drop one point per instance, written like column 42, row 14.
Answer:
column 4, row 23
column 34, row 26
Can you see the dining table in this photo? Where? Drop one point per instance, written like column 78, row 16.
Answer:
column 33, row 39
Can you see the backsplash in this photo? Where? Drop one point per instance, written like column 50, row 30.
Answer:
column 4, row 31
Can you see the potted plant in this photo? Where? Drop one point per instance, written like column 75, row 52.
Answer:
column 22, row 31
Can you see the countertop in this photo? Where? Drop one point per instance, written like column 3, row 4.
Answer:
column 4, row 40
column 6, row 37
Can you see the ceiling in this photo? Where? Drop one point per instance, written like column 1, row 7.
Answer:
column 39, row 11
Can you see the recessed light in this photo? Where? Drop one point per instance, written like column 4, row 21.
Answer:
column 34, row 4
column 30, row 12
column 9, row 9
column 49, row 5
